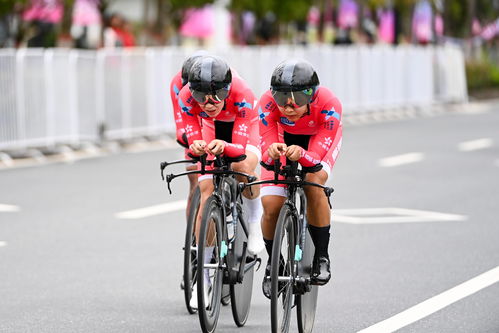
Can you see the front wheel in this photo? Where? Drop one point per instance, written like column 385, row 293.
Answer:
column 281, row 271
column 190, row 251
column 211, row 252
column 240, row 293
column 306, row 304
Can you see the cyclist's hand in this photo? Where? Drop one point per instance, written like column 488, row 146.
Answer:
column 294, row 152
column 216, row 147
column 198, row 147
column 276, row 150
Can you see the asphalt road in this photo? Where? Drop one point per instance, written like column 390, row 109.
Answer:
column 69, row 264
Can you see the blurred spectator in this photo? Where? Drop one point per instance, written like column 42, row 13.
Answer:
column 368, row 27
column 347, row 19
column 10, row 27
column 86, row 25
column 118, row 33
column 266, row 29
column 422, row 32
column 43, row 15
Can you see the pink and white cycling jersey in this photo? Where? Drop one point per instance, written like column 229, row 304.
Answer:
column 322, row 122
column 238, row 109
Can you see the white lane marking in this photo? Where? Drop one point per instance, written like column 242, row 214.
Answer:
column 401, row 159
column 435, row 303
column 475, row 144
column 2, row 243
column 390, row 215
column 9, row 208
column 152, row 210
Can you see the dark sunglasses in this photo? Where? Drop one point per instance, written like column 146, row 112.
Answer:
column 299, row 98
column 216, row 97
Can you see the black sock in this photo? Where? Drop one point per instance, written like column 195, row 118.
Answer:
column 268, row 246
column 320, row 237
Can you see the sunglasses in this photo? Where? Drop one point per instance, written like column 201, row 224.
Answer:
column 298, row 98
column 217, row 96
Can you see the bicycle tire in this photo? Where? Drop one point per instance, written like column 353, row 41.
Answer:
column 190, row 252
column 210, row 234
column 281, row 300
column 240, row 293
column 306, row 304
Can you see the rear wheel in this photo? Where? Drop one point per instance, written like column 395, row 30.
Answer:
column 306, row 304
column 240, row 293
column 190, row 251
column 283, row 252
column 211, row 252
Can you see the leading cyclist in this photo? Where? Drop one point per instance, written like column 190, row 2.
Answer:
column 299, row 121
column 224, row 103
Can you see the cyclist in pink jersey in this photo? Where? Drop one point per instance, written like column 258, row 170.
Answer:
column 299, row 121
column 177, row 83
column 225, row 106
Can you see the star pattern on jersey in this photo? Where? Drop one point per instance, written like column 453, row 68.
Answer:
column 184, row 108
column 243, row 127
column 188, row 128
column 262, row 116
column 328, row 141
column 331, row 113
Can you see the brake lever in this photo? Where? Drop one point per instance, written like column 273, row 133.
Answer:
column 169, row 179
column 328, row 191
column 162, row 166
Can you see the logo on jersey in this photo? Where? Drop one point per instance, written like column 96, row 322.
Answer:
column 243, row 127
column 243, row 104
column 286, row 121
column 175, row 89
column 262, row 116
column 204, row 114
column 329, row 125
column 188, row 128
column 268, row 106
column 326, row 144
column 185, row 109
column 311, row 123
column 331, row 113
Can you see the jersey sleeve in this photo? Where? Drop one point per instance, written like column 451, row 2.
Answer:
column 244, row 110
column 175, row 87
column 328, row 138
column 189, row 111
column 269, row 132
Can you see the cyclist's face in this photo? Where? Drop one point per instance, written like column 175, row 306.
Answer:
column 292, row 111
column 212, row 109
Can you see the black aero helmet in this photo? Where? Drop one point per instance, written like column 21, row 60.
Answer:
column 294, row 82
column 186, row 66
column 294, row 75
column 209, row 74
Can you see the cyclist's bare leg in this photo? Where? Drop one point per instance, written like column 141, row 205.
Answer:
column 318, row 212
column 251, row 198
column 272, row 205
column 248, row 165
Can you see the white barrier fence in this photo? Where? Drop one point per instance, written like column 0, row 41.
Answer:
column 61, row 96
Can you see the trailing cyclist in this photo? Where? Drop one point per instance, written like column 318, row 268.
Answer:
column 299, row 121
column 225, row 106
column 177, row 83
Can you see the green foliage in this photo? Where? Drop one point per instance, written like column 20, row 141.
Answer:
column 285, row 10
column 482, row 74
column 8, row 6
column 184, row 4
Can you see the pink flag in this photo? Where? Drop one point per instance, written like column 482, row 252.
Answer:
column 386, row 32
column 44, row 10
column 198, row 22
column 86, row 12
column 348, row 14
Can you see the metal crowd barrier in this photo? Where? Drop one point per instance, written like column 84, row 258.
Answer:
column 63, row 96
